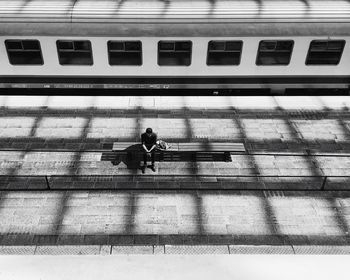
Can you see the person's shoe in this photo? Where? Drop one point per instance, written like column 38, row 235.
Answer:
column 153, row 168
column 143, row 169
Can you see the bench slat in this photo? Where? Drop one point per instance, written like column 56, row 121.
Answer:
column 174, row 147
column 185, row 147
column 120, row 146
column 211, row 147
column 136, row 146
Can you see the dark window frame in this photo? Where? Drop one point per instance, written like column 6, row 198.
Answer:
column 74, row 49
column 8, row 51
column 174, row 50
column 325, row 41
column 275, row 50
column 124, row 51
column 229, row 51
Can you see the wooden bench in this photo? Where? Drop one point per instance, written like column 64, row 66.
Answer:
column 193, row 148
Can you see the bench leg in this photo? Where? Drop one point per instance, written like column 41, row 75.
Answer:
column 115, row 158
column 227, row 157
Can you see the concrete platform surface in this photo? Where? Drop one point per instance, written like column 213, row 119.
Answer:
column 174, row 267
column 264, row 124
column 153, row 218
column 66, row 140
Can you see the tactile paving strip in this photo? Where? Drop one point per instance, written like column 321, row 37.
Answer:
column 322, row 250
column 196, row 250
column 17, row 250
column 68, row 250
column 105, row 250
column 158, row 250
column 278, row 250
column 174, row 249
column 131, row 250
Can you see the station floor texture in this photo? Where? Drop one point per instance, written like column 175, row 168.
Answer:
column 286, row 194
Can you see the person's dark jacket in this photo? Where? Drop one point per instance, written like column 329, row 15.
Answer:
column 148, row 140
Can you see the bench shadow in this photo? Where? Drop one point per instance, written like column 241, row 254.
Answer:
column 131, row 156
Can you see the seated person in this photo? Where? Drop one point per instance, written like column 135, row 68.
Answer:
column 149, row 140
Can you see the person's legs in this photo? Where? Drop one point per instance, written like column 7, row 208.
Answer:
column 153, row 156
column 153, row 160
column 143, row 168
column 145, row 158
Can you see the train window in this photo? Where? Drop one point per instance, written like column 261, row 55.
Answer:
column 224, row 52
column 125, row 52
column 66, row 45
column 24, row 52
column 325, row 52
column 274, row 52
column 174, row 53
column 74, row 52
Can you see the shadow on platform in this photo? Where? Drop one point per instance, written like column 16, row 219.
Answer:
column 132, row 230
column 198, row 182
column 339, row 118
column 131, row 157
column 23, row 239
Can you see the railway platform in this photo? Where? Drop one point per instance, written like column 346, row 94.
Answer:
column 61, row 188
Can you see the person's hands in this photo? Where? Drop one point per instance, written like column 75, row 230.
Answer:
column 154, row 146
column 146, row 150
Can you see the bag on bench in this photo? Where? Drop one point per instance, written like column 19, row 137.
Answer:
column 162, row 145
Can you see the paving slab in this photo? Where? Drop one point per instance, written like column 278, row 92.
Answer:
column 322, row 250
column 17, row 250
column 67, row 250
column 132, row 250
column 196, row 250
column 159, row 250
column 261, row 249
column 106, row 250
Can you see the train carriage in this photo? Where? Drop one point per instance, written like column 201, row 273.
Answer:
column 172, row 44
